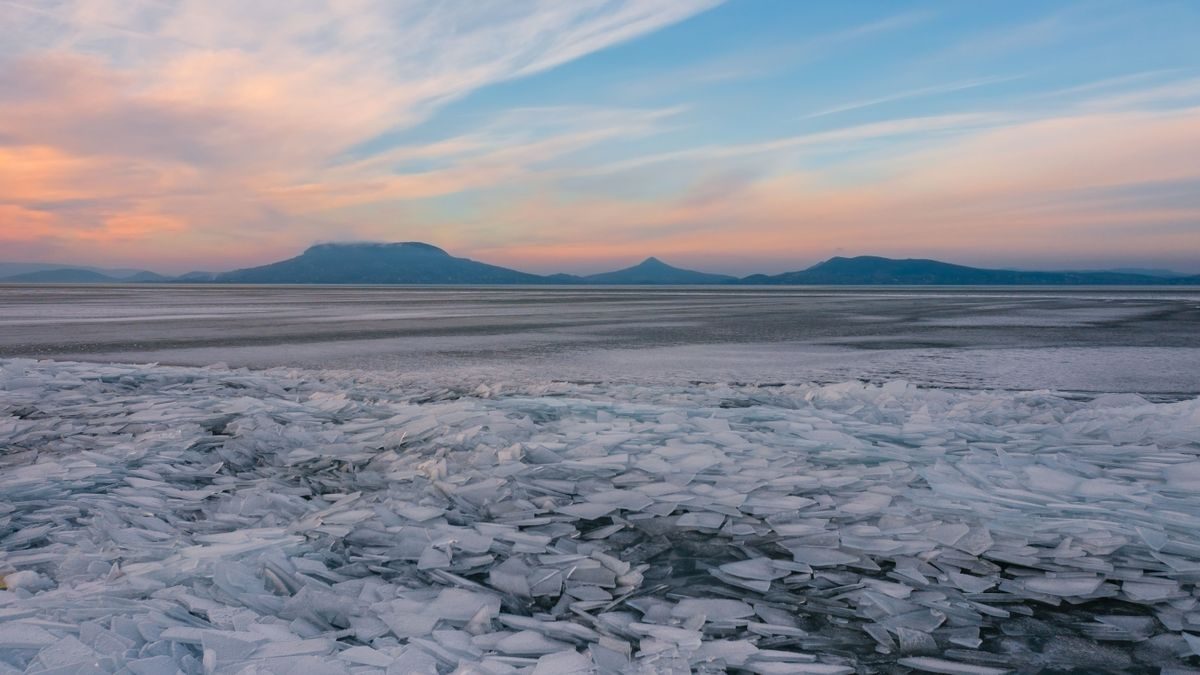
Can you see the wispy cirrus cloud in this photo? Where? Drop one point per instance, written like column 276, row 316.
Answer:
column 506, row 151
column 148, row 107
column 911, row 94
column 1016, row 189
column 761, row 60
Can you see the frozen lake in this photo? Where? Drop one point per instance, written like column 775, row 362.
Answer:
column 1068, row 339
column 575, row 480
column 160, row 519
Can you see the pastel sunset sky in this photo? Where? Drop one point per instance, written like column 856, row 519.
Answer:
column 581, row 135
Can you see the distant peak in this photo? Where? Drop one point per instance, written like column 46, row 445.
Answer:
column 839, row 260
column 415, row 246
column 652, row 261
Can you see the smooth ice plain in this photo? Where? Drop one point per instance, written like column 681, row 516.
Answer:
column 599, row 480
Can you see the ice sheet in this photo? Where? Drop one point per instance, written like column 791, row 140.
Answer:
column 207, row 520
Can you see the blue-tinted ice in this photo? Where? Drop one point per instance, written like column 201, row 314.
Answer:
column 211, row 520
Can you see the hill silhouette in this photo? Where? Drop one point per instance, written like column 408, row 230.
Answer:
column 67, row 275
column 875, row 270
column 373, row 263
column 654, row 271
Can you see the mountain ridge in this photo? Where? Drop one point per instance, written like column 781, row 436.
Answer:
column 11, row 269
column 409, row 262
column 877, row 270
column 63, row 275
column 414, row 262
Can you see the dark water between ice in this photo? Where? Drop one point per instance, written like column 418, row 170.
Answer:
column 1073, row 339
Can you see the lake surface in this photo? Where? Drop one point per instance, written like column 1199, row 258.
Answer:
column 1070, row 339
column 666, row 467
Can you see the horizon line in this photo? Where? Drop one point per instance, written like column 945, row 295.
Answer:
column 1132, row 269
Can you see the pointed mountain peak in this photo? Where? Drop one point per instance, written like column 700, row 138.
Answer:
column 652, row 262
column 654, row 271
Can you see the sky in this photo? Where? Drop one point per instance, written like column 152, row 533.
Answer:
column 741, row 136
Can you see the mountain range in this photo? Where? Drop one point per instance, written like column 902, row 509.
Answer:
column 420, row 263
column 8, row 270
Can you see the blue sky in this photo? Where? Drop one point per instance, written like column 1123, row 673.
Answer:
column 753, row 135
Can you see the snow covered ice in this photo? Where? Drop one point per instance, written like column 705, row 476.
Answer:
column 160, row 519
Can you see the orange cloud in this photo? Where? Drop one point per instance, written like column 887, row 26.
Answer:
column 1041, row 186
column 208, row 122
column 25, row 225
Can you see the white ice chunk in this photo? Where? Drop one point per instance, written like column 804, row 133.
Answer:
column 569, row 662
column 18, row 635
column 456, row 604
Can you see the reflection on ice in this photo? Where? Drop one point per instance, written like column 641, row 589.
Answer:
column 159, row 518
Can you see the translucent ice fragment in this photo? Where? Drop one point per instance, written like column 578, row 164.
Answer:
column 755, row 568
column 530, row 643
column 819, row 557
column 1063, row 586
column 365, row 656
column 866, row 503
column 587, row 510
column 569, row 662
column 716, row 609
column 730, row 653
column 460, row 605
column 930, row 664
column 701, row 520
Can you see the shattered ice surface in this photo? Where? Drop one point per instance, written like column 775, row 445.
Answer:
column 205, row 520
